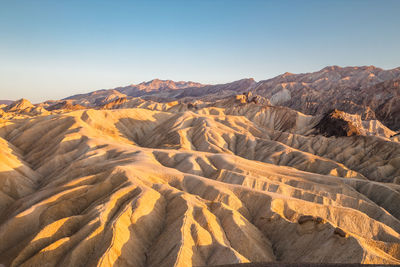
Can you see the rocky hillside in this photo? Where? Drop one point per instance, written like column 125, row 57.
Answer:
column 300, row 168
column 145, row 183
column 156, row 87
column 384, row 99
column 368, row 91
column 21, row 109
column 356, row 90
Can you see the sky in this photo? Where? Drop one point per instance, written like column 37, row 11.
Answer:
column 54, row 49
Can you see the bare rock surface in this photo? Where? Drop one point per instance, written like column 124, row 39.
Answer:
column 147, row 183
column 334, row 123
column 65, row 105
column 297, row 169
column 368, row 91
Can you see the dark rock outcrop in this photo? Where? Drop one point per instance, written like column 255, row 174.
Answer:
column 334, row 123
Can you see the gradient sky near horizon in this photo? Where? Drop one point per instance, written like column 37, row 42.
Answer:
column 54, row 49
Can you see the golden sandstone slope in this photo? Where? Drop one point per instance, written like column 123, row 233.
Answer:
column 168, row 184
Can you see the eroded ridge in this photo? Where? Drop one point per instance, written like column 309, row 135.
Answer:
column 177, row 186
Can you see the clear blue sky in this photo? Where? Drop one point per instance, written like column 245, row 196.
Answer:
column 53, row 49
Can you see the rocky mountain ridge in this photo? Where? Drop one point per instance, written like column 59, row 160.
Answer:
column 152, row 87
column 368, row 91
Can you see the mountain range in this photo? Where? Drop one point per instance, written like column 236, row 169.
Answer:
column 368, row 91
column 300, row 168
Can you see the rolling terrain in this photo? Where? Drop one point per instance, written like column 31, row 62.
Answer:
column 154, row 175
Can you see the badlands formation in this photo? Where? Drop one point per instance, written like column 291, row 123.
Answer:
column 177, row 174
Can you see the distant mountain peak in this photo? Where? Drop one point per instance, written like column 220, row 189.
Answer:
column 6, row 102
column 20, row 104
column 287, row 74
column 157, row 84
column 331, row 68
column 360, row 68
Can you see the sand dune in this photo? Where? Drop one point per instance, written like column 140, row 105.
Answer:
column 164, row 184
